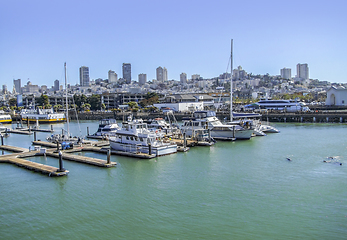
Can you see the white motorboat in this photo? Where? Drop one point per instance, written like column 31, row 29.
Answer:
column 159, row 124
column 135, row 137
column 107, row 127
column 208, row 120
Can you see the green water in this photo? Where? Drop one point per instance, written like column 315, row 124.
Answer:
column 232, row 190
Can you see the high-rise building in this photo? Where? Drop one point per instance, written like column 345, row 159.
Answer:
column 112, row 77
column 195, row 76
column 18, row 85
column 164, row 74
column 56, row 85
column 127, row 72
column 84, row 76
column 286, row 73
column 160, row 74
column 302, row 71
column 4, row 89
column 142, row 79
column 183, row 78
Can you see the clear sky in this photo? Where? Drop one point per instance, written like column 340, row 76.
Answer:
column 38, row 36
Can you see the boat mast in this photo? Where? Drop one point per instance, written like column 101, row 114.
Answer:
column 231, row 82
column 66, row 102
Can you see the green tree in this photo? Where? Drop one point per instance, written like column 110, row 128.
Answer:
column 43, row 100
column 12, row 102
column 95, row 102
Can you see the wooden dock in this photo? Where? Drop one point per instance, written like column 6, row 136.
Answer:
column 37, row 167
column 13, row 149
column 82, row 159
column 23, row 132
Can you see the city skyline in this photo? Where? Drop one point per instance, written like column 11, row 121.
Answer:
column 40, row 36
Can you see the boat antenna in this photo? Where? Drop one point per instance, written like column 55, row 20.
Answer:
column 231, row 82
column 66, row 102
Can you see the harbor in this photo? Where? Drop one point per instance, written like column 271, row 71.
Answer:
column 212, row 185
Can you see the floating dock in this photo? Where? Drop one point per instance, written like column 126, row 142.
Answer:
column 37, row 167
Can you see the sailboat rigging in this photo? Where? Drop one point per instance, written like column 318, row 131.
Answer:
column 65, row 137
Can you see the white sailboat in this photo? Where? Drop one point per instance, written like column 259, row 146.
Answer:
column 65, row 137
column 243, row 129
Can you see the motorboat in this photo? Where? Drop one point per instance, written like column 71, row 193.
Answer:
column 107, row 127
column 160, row 125
column 135, row 137
column 218, row 130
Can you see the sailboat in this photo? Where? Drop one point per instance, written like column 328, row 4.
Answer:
column 65, row 137
column 244, row 129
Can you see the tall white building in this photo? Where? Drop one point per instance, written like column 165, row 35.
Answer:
column 161, row 74
column 165, row 74
column 112, row 77
column 142, row 79
column 286, row 73
column 183, row 78
column 302, row 71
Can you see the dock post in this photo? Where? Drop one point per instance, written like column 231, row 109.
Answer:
column 314, row 119
column 57, row 146
column 29, row 129
column 149, row 149
column 52, row 128
column 34, row 136
column 233, row 131
column 341, row 119
column 61, row 169
column 184, row 140
column 21, row 122
column 27, row 122
column 87, row 131
column 2, row 140
column 17, row 124
column 209, row 135
column 108, row 156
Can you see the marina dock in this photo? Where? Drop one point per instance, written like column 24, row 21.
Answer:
column 37, row 167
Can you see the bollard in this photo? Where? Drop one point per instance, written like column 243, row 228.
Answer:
column 87, row 131
column 2, row 140
column 149, row 149
column 34, row 136
column 61, row 169
column 184, row 140
column 108, row 156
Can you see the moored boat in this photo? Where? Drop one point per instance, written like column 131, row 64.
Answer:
column 135, row 137
column 42, row 115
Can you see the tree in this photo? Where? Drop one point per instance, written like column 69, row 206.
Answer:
column 43, row 100
column 12, row 102
column 95, row 102
column 132, row 105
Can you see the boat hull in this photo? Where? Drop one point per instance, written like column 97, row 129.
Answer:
column 133, row 148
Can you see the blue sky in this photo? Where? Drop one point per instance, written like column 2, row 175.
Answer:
column 37, row 37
